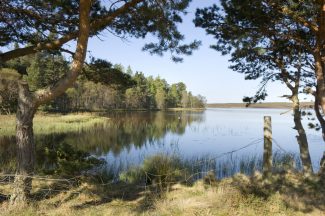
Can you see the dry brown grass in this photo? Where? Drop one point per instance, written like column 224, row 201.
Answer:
column 284, row 194
column 9, row 74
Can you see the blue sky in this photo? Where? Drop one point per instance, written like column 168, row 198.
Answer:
column 205, row 72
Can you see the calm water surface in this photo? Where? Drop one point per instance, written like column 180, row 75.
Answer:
column 130, row 136
column 218, row 131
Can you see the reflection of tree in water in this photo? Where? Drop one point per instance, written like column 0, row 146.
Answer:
column 124, row 130
column 127, row 129
column 53, row 156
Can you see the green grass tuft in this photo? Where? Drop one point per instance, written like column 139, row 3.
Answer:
column 53, row 123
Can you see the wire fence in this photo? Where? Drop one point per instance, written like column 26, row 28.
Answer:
column 187, row 174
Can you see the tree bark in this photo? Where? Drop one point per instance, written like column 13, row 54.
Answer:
column 25, row 145
column 27, row 105
column 45, row 95
column 267, row 155
column 301, row 137
column 319, row 56
column 319, row 117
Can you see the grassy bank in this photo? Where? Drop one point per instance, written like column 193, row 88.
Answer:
column 186, row 109
column 52, row 123
column 162, row 185
column 9, row 74
column 149, row 110
column 285, row 194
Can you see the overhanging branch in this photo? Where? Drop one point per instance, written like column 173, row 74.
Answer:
column 95, row 26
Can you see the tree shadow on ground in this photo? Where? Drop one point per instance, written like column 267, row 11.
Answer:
column 87, row 192
column 3, row 198
column 47, row 190
column 144, row 196
column 66, row 174
column 299, row 192
column 56, row 194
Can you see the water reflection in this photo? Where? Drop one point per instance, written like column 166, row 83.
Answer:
column 124, row 130
column 131, row 136
column 128, row 130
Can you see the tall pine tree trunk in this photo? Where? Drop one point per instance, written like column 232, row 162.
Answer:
column 28, row 103
column 25, row 145
column 319, row 57
column 301, row 137
column 319, row 116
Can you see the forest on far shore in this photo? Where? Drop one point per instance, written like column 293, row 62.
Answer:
column 101, row 86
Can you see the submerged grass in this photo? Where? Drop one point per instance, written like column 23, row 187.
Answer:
column 164, row 167
column 52, row 123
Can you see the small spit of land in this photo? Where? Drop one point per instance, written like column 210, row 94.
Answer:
column 274, row 105
column 52, row 123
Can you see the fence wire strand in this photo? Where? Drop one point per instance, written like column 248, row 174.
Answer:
column 68, row 184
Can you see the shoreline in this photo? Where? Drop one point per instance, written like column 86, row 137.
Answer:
column 271, row 105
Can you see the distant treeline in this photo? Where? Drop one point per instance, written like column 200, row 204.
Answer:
column 101, row 86
column 277, row 105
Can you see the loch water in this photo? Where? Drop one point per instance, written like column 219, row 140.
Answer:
column 129, row 137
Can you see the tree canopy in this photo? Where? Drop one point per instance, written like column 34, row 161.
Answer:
column 49, row 25
column 269, row 39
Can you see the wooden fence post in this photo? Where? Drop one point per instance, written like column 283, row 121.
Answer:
column 267, row 156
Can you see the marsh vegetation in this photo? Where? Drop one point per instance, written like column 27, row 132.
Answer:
column 163, row 185
column 145, row 160
column 149, row 161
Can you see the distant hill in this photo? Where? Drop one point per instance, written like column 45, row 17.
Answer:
column 283, row 105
